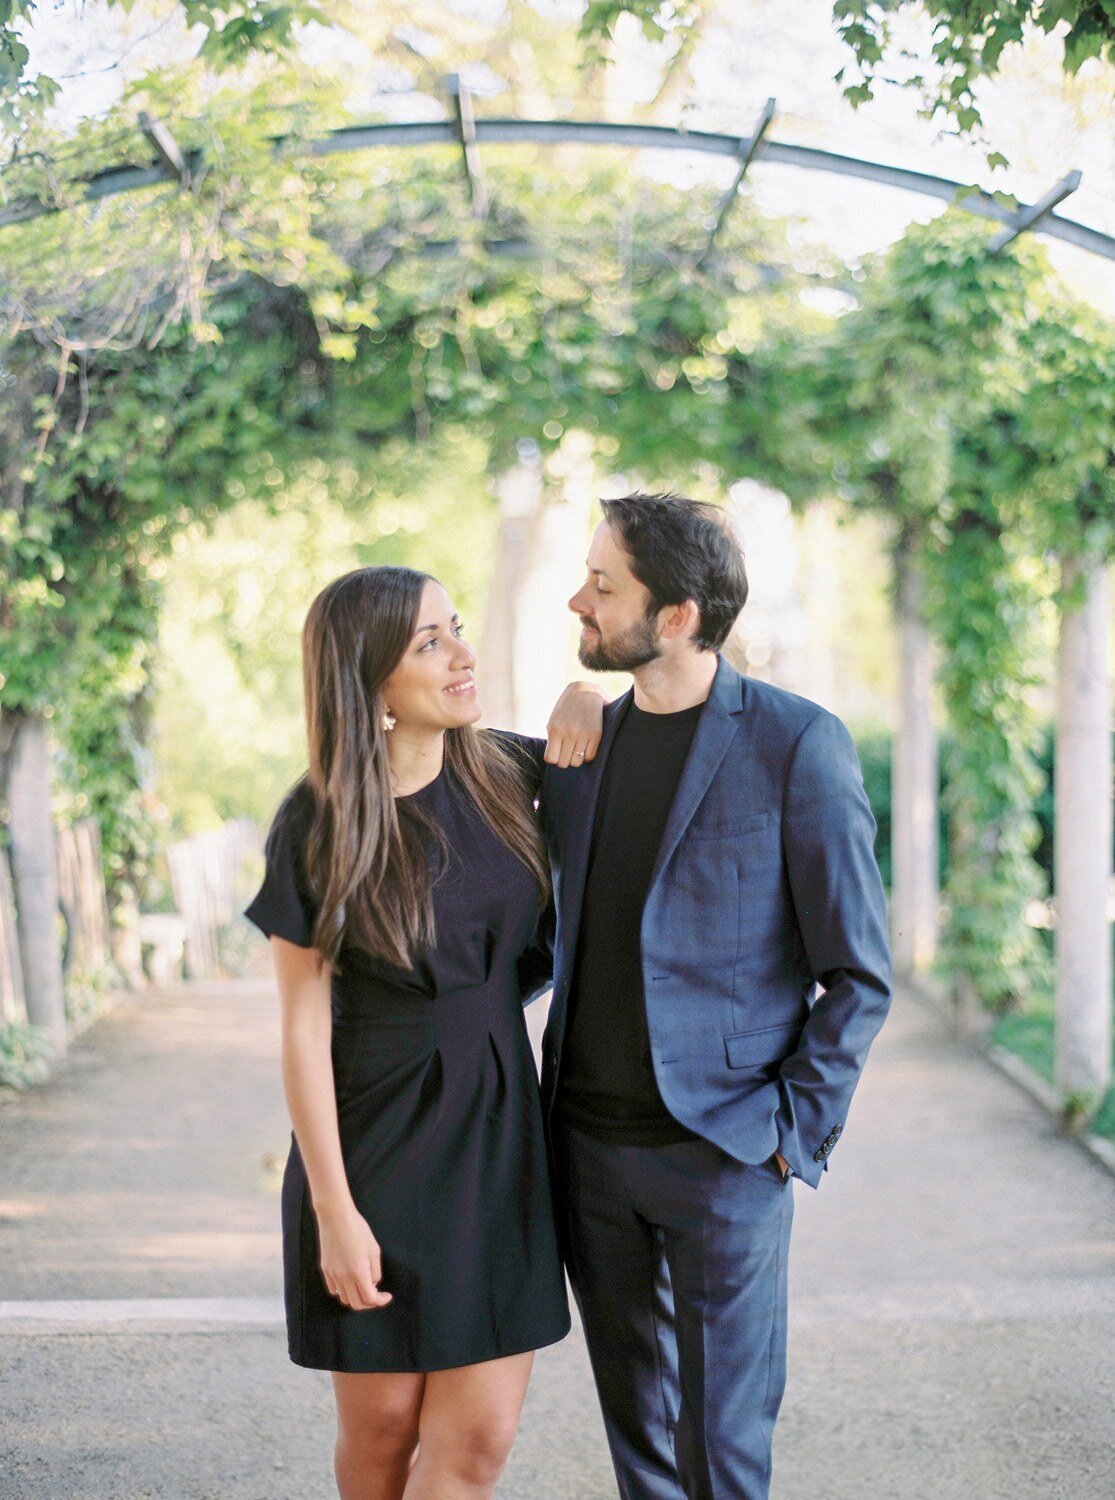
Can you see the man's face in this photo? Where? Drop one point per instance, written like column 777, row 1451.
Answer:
column 616, row 635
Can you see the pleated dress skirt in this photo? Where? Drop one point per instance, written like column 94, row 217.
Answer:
column 441, row 1132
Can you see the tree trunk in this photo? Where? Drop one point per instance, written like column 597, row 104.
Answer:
column 34, row 872
column 1082, row 842
column 915, row 895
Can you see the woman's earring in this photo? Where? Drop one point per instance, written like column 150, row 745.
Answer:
column 388, row 721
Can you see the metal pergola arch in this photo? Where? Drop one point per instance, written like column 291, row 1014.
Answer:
column 468, row 133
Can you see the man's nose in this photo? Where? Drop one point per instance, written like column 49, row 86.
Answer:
column 575, row 604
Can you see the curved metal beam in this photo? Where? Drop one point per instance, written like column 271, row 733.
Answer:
column 639, row 137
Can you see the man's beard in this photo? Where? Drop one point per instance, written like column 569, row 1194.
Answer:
column 637, row 646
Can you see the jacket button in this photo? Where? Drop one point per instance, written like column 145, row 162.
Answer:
column 818, row 1156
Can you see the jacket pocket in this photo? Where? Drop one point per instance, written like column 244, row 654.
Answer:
column 728, row 828
column 749, row 1049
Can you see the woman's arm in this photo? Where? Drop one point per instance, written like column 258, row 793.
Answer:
column 350, row 1255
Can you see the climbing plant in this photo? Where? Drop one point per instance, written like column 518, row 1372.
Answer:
column 965, row 44
column 164, row 436
column 932, row 397
column 353, row 310
column 303, row 318
column 229, row 32
column 968, row 40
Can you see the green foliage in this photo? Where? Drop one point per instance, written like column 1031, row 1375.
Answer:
column 875, row 750
column 339, row 335
column 926, row 402
column 304, row 325
column 234, row 30
column 969, row 38
column 983, row 615
column 657, row 18
column 166, row 435
column 1029, row 1034
column 25, row 1054
column 228, row 678
column 1102, row 1122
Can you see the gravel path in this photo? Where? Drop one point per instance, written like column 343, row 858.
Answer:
column 952, row 1287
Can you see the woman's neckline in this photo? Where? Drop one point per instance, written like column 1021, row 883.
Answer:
column 407, row 796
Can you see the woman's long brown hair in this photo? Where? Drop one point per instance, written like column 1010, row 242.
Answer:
column 367, row 862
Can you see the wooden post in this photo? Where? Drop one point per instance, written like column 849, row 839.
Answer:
column 35, row 875
column 915, row 895
column 1082, row 842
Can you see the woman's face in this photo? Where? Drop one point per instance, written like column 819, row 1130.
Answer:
column 432, row 686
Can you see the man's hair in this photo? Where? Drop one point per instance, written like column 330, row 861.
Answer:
column 683, row 549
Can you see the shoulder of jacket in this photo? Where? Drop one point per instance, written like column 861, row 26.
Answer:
column 781, row 709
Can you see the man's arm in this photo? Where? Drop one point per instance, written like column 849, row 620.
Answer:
column 828, row 836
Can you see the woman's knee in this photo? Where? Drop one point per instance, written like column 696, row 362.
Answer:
column 381, row 1422
column 385, row 1436
column 475, row 1451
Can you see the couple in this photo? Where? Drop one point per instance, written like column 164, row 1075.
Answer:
column 719, row 969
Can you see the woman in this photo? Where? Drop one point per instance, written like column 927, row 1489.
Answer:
column 404, row 884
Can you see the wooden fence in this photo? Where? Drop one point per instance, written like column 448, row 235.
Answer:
column 81, row 895
column 205, row 873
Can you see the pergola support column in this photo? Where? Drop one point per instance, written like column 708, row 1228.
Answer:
column 1082, row 841
column 519, row 492
column 915, row 895
column 35, row 874
column 529, row 636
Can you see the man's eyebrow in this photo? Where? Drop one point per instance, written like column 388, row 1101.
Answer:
column 456, row 620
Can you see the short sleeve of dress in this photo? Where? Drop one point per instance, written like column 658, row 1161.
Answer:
column 528, row 752
column 283, row 906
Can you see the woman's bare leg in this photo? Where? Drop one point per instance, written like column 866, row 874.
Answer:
column 377, row 1433
column 467, row 1425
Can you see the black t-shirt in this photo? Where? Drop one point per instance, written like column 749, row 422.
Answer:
column 607, row 1085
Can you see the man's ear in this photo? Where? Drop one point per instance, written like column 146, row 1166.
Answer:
column 679, row 621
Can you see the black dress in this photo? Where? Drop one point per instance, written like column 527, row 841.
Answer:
column 439, row 1113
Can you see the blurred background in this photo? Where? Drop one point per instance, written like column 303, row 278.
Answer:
column 276, row 361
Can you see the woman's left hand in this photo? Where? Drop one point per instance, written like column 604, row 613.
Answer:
column 575, row 725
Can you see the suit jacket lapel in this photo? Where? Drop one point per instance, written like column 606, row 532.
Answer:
column 716, row 729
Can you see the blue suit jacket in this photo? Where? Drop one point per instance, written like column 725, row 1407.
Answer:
column 764, row 949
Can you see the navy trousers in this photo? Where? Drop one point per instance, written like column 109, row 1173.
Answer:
column 677, row 1256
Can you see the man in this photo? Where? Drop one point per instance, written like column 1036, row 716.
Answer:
column 721, row 970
